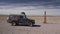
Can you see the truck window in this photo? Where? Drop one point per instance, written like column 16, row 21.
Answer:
column 21, row 17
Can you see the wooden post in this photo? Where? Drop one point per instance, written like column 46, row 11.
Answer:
column 45, row 17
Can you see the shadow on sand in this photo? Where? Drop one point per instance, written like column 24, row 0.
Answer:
column 30, row 26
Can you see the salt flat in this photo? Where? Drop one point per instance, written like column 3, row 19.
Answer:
column 52, row 26
column 6, row 28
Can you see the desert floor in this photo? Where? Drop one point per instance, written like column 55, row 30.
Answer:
column 51, row 27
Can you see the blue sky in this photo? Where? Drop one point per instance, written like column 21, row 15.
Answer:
column 31, row 7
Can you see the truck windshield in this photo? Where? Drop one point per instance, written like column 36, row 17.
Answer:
column 22, row 16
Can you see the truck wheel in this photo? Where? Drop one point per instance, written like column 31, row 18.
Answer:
column 30, row 24
column 13, row 24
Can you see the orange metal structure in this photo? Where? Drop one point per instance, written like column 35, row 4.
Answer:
column 45, row 17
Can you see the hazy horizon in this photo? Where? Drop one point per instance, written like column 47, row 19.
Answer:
column 30, row 7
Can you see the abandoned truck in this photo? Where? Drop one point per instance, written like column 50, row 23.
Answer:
column 20, row 20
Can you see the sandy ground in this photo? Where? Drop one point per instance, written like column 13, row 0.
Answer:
column 6, row 28
column 54, row 20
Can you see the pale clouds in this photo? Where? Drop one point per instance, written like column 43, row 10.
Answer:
column 30, row 10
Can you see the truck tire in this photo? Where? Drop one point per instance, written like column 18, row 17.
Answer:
column 13, row 24
column 30, row 24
